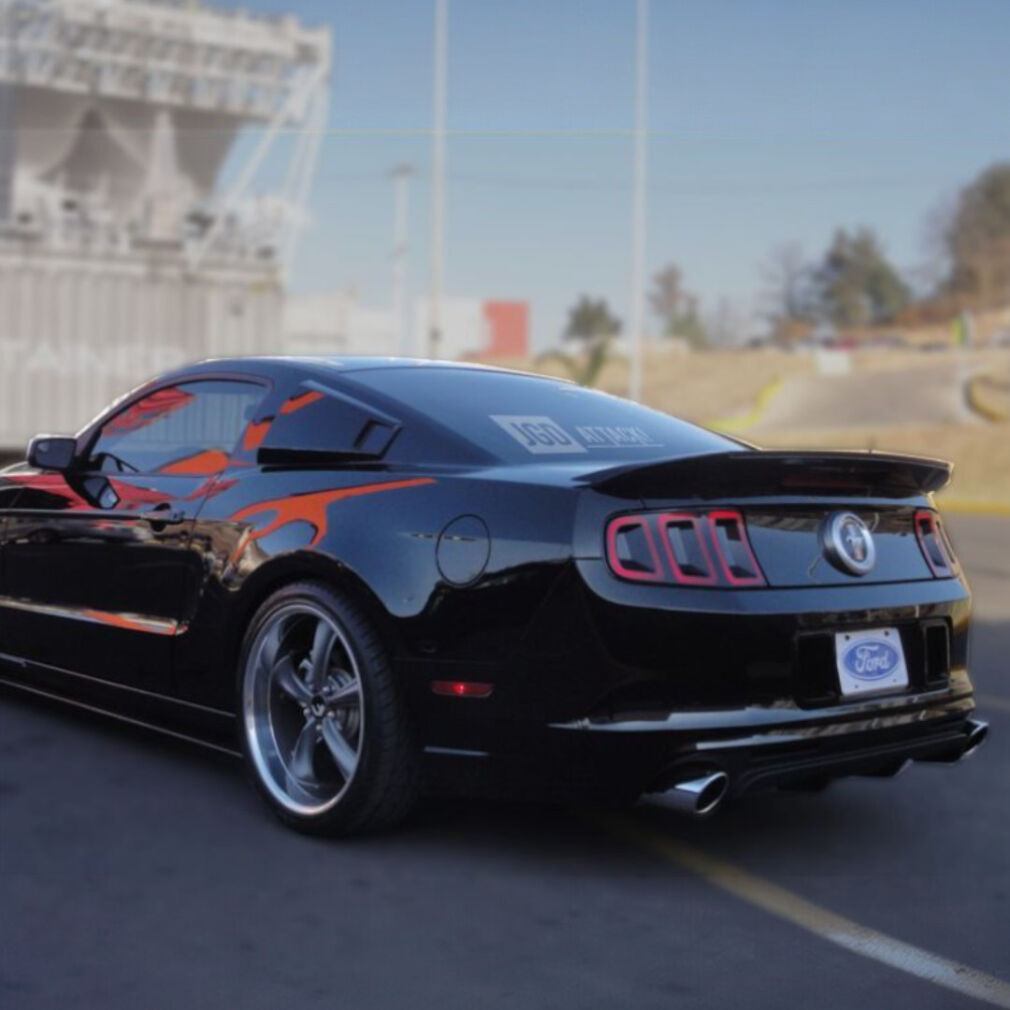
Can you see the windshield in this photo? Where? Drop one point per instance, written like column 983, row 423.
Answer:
column 521, row 418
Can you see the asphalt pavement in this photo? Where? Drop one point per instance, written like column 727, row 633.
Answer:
column 138, row 873
column 925, row 394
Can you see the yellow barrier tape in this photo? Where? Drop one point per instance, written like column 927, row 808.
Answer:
column 740, row 422
column 967, row 507
column 983, row 409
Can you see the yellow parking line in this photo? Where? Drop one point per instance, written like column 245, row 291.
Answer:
column 805, row 914
column 991, row 701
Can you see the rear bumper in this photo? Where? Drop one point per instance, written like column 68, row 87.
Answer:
column 760, row 747
column 881, row 754
column 616, row 696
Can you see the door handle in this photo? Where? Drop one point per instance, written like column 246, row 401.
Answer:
column 163, row 515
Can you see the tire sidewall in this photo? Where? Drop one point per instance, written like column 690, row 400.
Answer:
column 372, row 666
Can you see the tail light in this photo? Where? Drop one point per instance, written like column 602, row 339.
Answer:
column 729, row 534
column 935, row 544
column 631, row 549
column 685, row 543
column 694, row 549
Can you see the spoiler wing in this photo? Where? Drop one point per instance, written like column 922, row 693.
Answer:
column 761, row 471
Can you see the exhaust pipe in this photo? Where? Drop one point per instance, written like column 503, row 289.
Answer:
column 976, row 733
column 697, row 797
column 976, row 736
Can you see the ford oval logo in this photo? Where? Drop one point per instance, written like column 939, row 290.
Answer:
column 870, row 660
column 848, row 543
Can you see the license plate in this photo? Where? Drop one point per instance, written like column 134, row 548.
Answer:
column 870, row 661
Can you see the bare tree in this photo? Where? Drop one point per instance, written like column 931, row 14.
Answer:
column 727, row 325
column 786, row 275
column 936, row 266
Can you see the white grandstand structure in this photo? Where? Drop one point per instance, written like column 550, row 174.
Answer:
column 120, row 250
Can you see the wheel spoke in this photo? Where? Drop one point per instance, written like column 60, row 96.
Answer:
column 286, row 678
column 343, row 753
column 301, row 757
column 271, row 646
column 344, row 694
column 319, row 657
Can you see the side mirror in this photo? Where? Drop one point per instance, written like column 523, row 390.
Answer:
column 52, row 452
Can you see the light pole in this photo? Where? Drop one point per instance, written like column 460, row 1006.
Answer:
column 400, row 174
column 636, row 314
column 438, row 178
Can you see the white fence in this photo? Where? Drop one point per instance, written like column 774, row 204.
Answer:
column 76, row 331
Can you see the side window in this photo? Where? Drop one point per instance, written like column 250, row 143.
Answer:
column 189, row 429
column 321, row 423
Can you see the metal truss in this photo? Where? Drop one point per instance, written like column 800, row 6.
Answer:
column 166, row 53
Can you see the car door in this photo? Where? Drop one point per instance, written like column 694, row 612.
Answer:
column 9, row 492
column 100, row 574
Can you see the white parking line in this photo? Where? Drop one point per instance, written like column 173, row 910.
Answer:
column 805, row 914
column 990, row 701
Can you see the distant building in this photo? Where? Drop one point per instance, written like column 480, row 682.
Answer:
column 475, row 328
column 336, row 323
column 118, row 256
column 509, row 324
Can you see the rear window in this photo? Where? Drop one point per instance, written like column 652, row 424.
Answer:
column 519, row 418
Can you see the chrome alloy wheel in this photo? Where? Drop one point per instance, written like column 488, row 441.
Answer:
column 303, row 708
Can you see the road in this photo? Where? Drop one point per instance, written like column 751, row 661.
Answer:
column 136, row 873
column 926, row 394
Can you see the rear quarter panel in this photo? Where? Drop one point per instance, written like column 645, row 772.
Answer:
column 376, row 533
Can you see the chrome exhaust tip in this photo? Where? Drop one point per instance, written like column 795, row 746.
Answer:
column 976, row 732
column 697, row 797
column 976, row 736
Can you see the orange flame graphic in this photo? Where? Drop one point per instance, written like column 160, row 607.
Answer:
column 311, row 507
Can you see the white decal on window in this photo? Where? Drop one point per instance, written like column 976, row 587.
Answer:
column 537, row 434
column 607, row 436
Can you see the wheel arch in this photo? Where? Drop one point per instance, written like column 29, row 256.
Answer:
column 304, row 566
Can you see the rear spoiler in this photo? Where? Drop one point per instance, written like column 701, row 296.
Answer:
column 761, row 471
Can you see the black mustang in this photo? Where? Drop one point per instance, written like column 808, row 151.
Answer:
column 383, row 575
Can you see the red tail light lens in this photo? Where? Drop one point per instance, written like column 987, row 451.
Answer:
column 631, row 550
column 684, row 539
column 729, row 534
column 936, row 547
column 697, row 549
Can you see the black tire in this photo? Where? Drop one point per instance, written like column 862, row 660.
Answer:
column 383, row 781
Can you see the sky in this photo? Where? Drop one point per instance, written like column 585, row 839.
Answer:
column 770, row 122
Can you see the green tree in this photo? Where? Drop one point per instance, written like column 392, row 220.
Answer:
column 590, row 320
column 676, row 307
column 591, row 330
column 855, row 285
column 977, row 239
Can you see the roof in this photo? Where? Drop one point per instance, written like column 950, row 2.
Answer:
column 341, row 364
column 297, row 368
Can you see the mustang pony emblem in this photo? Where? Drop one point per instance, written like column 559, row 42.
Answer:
column 848, row 543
